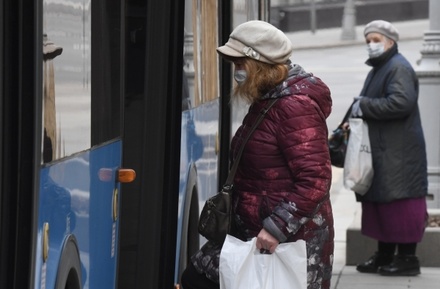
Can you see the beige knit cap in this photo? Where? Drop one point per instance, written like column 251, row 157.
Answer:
column 258, row 40
column 383, row 27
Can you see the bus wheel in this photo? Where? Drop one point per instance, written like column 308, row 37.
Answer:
column 69, row 269
column 190, row 236
column 193, row 243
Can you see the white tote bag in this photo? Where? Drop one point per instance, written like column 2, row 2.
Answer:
column 243, row 266
column 358, row 165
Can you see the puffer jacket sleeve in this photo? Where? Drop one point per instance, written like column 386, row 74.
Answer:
column 399, row 92
column 302, row 139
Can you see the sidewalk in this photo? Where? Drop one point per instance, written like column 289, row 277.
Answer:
column 345, row 207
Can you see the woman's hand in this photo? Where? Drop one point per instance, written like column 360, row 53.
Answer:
column 266, row 241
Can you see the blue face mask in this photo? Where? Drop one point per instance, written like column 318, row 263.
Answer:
column 240, row 76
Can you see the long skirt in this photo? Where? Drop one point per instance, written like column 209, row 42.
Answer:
column 401, row 221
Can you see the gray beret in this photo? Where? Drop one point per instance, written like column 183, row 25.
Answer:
column 258, row 40
column 383, row 27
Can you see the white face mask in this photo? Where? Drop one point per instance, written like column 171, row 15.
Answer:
column 375, row 49
column 240, row 76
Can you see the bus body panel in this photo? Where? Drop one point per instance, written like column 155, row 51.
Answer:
column 198, row 174
column 77, row 198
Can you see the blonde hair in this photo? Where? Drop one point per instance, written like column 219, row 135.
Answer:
column 262, row 77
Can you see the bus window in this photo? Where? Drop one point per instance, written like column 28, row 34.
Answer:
column 201, row 60
column 73, row 120
column 66, row 78
column 50, row 51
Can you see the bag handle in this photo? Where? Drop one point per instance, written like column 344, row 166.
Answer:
column 228, row 184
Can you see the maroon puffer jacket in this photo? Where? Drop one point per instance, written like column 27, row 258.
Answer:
column 284, row 176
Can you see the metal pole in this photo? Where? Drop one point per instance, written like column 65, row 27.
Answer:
column 313, row 16
column 349, row 21
column 428, row 72
column 264, row 10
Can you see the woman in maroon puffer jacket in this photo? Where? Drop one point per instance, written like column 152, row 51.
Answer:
column 281, row 188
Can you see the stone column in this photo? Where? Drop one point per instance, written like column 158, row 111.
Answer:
column 313, row 19
column 428, row 72
column 349, row 21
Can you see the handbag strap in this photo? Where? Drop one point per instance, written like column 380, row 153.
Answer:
column 228, row 184
column 347, row 114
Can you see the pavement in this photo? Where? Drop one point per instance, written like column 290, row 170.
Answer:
column 345, row 210
column 345, row 207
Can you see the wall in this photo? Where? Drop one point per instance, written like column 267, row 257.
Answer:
column 290, row 18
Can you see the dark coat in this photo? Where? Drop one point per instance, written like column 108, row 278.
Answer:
column 284, row 176
column 390, row 107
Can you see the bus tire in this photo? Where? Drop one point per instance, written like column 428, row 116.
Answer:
column 69, row 269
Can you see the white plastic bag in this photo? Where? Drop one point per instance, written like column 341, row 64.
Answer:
column 243, row 266
column 358, row 166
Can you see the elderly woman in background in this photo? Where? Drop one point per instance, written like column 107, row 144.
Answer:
column 394, row 208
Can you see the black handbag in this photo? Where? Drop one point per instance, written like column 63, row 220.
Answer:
column 215, row 220
column 337, row 145
column 337, row 142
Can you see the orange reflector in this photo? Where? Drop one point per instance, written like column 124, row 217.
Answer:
column 126, row 175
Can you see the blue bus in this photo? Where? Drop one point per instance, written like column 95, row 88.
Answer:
column 113, row 134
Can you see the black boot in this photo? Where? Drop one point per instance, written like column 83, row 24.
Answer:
column 402, row 265
column 375, row 261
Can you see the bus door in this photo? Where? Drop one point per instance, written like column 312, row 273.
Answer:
column 209, row 115
column 151, row 136
column 76, row 243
